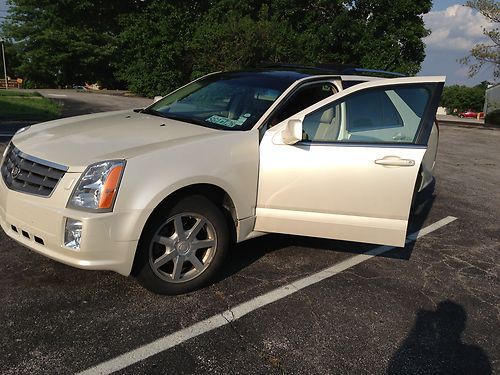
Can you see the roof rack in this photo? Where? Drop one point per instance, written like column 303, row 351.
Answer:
column 372, row 71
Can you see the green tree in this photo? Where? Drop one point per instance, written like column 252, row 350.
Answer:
column 464, row 98
column 13, row 59
column 377, row 34
column 153, row 56
column 229, row 39
column 65, row 41
column 388, row 34
column 154, row 46
column 485, row 53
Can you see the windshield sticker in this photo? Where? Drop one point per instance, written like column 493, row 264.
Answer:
column 224, row 121
column 267, row 94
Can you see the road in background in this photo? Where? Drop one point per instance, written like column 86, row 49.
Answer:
column 455, row 120
column 76, row 103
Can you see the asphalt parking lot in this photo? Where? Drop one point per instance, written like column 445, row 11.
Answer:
column 432, row 307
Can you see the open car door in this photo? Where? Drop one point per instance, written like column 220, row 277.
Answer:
column 346, row 167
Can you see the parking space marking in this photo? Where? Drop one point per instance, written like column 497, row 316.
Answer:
column 228, row 316
column 57, row 95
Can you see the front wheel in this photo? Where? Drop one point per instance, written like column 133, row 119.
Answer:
column 182, row 248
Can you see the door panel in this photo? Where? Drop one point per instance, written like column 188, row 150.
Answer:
column 334, row 187
column 336, row 191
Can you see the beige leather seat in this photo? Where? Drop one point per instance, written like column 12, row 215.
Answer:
column 329, row 126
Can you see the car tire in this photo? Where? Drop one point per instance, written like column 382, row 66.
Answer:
column 182, row 247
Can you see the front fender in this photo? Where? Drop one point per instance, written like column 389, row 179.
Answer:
column 229, row 161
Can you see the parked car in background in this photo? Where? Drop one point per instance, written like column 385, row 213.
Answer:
column 162, row 192
column 471, row 114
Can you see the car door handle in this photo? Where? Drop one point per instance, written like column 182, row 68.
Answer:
column 395, row 161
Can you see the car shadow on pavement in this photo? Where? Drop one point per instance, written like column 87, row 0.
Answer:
column 434, row 345
column 72, row 107
column 246, row 253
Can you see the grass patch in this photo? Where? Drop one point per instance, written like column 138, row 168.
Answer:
column 19, row 93
column 28, row 108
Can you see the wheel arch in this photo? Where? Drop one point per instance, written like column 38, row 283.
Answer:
column 212, row 192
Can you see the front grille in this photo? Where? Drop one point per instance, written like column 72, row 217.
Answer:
column 29, row 174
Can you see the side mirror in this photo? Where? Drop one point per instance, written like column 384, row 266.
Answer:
column 292, row 133
column 157, row 98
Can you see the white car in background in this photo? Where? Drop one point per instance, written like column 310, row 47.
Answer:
column 162, row 192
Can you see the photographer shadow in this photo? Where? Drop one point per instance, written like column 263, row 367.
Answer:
column 434, row 345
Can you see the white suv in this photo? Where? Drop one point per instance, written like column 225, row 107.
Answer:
column 162, row 192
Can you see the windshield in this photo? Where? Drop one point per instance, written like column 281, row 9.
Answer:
column 231, row 101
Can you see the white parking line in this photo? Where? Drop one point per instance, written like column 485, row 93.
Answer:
column 241, row 310
column 58, row 95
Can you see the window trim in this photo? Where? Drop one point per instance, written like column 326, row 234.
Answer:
column 360, row 144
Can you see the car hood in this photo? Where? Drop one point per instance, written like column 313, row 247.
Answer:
column 77, row 142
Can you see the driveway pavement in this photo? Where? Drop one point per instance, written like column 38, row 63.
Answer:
column 80, row 102
column 76, row 103
column 432, row 307
column 455, row 120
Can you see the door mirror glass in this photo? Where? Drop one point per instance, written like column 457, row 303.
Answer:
column 292, row 133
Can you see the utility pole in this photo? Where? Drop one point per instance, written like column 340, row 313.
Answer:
column 2, row 40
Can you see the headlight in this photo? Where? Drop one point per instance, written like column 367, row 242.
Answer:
column 97, row 188
column 22, row 130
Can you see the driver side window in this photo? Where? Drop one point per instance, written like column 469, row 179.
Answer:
column 304, row 97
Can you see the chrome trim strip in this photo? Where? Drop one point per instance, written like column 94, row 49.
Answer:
column 42, row 161
column 305, row 144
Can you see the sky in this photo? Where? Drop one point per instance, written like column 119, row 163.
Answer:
column 455, row 29
column 3, row 8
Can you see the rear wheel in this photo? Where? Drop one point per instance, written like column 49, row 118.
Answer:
column 183, row 247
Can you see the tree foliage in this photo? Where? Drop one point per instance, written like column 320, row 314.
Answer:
column 153, row 46
column 463, row 98
column 64, row 41
column 486, row 53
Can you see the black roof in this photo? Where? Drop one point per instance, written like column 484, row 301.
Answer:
column 286, row 76
column 277, row 79
column 289, row 73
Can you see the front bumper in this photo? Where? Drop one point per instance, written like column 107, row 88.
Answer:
column 107, row 241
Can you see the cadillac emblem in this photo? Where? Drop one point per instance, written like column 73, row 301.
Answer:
column 15, row 171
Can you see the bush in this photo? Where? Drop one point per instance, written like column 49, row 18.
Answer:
column 493, row 118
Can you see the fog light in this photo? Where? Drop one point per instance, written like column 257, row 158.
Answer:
column 73, row 233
